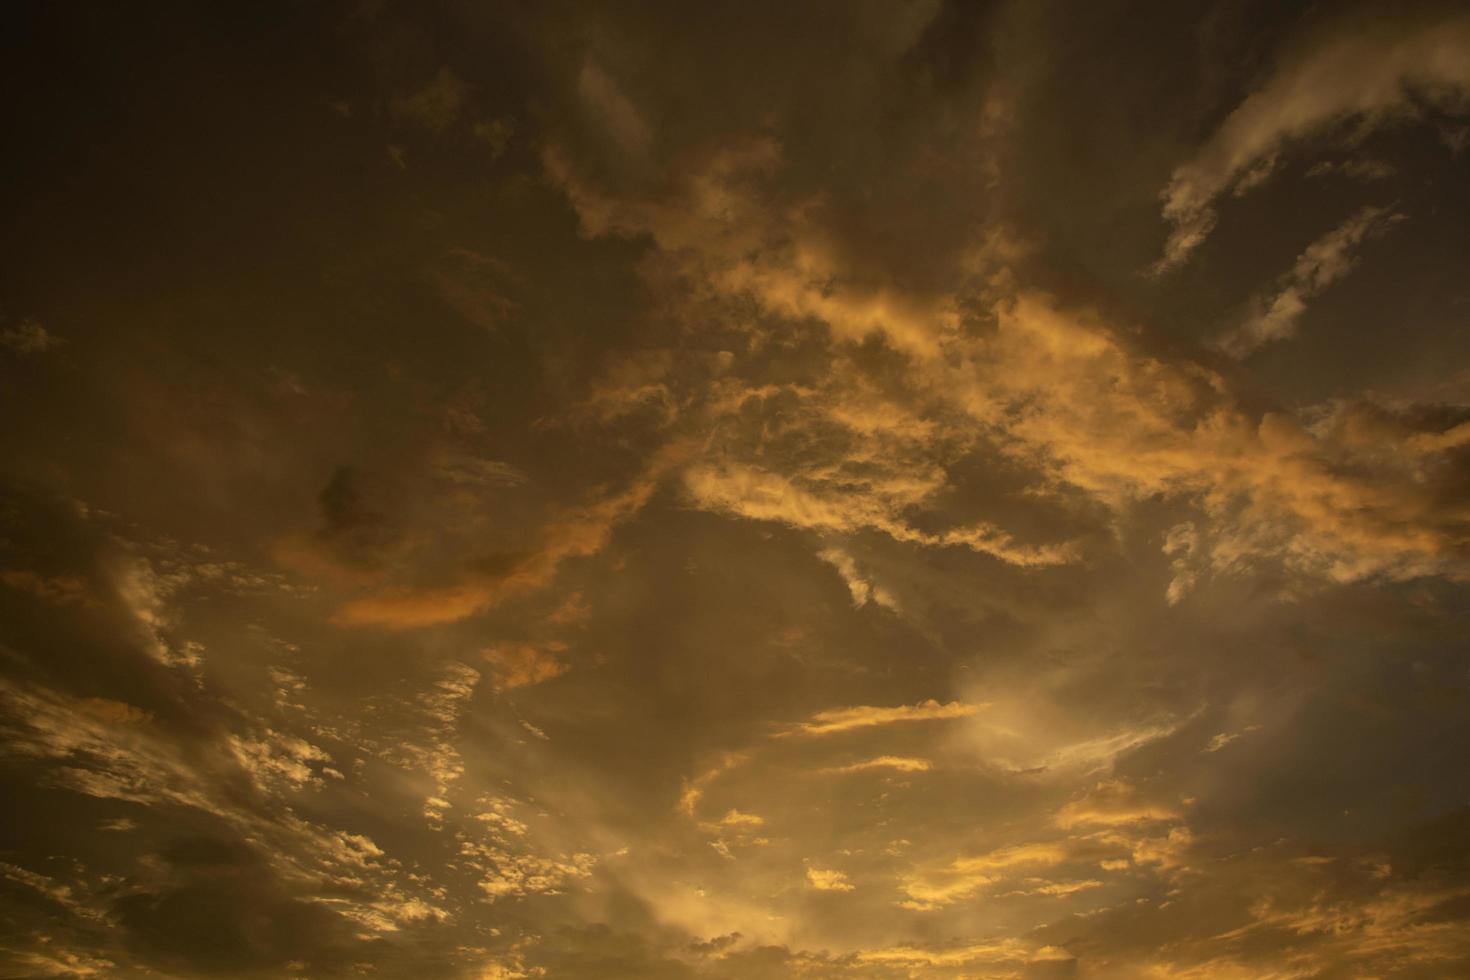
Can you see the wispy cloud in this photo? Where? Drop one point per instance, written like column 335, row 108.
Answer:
column 1344, row 74
column 837, row 720
column 1274, row 316
column 897, row 763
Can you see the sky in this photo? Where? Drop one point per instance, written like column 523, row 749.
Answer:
column 731, row 491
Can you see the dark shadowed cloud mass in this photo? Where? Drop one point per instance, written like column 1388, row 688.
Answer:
column 735, row 491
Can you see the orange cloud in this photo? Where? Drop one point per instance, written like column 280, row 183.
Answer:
column 828, row 881
column 577, row 533
column 896, row 762
column 865, row 716
column 1112, row 803
column 522, row 664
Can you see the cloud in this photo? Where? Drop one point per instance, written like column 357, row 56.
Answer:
column 862, row 590
column 503, row 846
column 1057, row 889
column 694, row 788
column 837, row 720
column 1079, row 401
column 1274, row 317
column 235, row 779
column 435, row 753
column 1030, row 731
column 1222, row 739
column 811, row 297
column 357, row 537
column 504, row 873
column 48, row 887
column 478, row 287
column 1369, row 71
column 281, row 761
column 575, row 533
column 28, row 337
column 1335, row 499
column 504, row 970
column 1413, row 925
column 762, row 495
column 632, row 385
column 734, row 818
column 610, row 109
column 52, row 961
column 436, row 106
column 933, row 888
column 894, row 762
column 1113, row 803
column 996, row 952
column 523, row 664
column 1362, row 169
column 824, row 880
column 62, row 589
column 1219, row 741
column 1181, row 543
column 107, row 754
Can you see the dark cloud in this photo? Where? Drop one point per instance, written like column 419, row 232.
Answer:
column 729, row 491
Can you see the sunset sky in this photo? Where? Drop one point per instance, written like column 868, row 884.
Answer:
column 905, row 490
